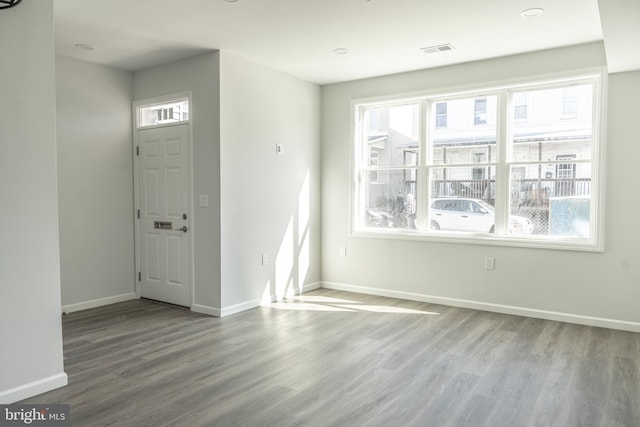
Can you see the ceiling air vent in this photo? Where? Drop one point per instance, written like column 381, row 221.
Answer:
column 436, row 49
column 6, row 4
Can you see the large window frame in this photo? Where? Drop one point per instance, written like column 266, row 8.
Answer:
column 502, row 163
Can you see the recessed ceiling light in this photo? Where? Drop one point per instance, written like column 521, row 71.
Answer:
column 83, row 46
column 341, row 51
column 531, row 13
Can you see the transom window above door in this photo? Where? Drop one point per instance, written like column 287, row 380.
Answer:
column 162, row 114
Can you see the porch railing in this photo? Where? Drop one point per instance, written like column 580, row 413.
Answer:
column 526, row 191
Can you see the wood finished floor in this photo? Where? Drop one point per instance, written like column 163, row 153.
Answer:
column 332, row 358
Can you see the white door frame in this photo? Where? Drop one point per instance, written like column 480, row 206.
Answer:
column 164, row 99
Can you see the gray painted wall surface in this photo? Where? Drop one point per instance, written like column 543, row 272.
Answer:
column 30, row 331
column 95, row 180
column 270, row 203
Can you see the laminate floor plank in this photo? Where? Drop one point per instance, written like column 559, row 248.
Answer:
column 333, row 358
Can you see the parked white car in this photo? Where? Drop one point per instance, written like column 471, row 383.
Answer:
column 461, row 214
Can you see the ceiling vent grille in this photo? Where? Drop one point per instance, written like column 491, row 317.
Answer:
column 437, row 49
column 6, row 4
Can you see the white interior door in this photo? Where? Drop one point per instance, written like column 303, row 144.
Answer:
column 164, row 224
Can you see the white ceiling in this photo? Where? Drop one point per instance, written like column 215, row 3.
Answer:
column 298, row 36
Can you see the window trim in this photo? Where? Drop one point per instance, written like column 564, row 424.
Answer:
column 427, row 98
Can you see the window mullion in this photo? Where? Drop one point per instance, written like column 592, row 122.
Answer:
column 502, row 168
column 424, row 179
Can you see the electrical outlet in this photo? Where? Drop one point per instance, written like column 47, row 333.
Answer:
column 265, row 259
column 489, row 263
column 343, row 251
column 280, row 149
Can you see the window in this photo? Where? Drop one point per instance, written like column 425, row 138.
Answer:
column 373, row 160
column 480, row 112
column 520, row 107
column 389, row 187
column 529, row 180
column 373, row 120
column 569, row 106
column 479, row 173
column 441, row 115
column 163, row 114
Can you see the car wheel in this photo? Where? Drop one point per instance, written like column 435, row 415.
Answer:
column 434, row 225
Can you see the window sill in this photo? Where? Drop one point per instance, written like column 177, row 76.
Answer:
column 581, row 245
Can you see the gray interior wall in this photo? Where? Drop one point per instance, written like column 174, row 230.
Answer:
column 602, row 285
column 95, row 181
column 30, row 325
column 270, row 203
column 200, row 75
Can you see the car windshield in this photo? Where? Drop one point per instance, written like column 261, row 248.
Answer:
column 486, row 205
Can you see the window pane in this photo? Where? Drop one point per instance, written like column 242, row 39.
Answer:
column 391, row 133
column 547, row 134
column 390, row 199
column 462, row 139
column 161, row 114
column 441, row 115
column 552, row 184
column 555, row 197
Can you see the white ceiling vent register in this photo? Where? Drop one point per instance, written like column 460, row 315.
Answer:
column 437, row 49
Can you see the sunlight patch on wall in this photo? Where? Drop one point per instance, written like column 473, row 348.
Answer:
column 266, row 295
column 304, row 256
column 285, row 264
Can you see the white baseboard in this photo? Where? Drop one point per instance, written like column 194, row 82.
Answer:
column 205, row 309
column 226, row 311
column 70, row 308
column 34, row 388
column 311, row 287
column 247, row 305
column 237, row 308
column 497, row 308
column 306, row 288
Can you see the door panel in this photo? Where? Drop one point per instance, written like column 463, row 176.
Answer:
column 153, row 257
column 163, row 167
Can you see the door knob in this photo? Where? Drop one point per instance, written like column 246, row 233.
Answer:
column 184, row 229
